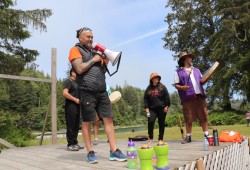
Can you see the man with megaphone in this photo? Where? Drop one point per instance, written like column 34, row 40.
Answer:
column 90, row 67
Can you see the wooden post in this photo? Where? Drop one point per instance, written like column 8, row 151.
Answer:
column 6, row 76
column 200, row 164
column 249, row 146
column 45, row 122
column 53, row 97
column 7, row 144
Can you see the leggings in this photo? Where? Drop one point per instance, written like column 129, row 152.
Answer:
column 161, row 115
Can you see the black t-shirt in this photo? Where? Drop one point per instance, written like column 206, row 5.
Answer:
column 72, row 87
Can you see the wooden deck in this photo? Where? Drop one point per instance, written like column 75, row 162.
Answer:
column 56, row 156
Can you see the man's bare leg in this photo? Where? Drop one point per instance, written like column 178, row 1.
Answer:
column 204, row 126
column 110, row 131
column 96, row 129
column 86, row 135
column 189, row 128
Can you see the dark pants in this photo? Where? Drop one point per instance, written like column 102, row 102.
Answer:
column 161, row 115
column 72, row 116
column 248, row 122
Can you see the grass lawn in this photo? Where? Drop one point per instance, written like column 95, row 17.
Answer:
column 172, row 133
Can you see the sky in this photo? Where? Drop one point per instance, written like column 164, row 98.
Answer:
column 134, row 27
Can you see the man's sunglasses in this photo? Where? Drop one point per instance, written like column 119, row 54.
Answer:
column 83, row 29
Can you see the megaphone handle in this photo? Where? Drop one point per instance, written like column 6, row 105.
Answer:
column 107, row 69
column 104, row 56
column 116, row 68
column 100, row 54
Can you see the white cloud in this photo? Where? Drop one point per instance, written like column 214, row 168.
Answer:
column 141, row 37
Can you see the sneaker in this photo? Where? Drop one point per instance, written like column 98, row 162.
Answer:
column 117, row 156
column 186, row 140
column 72, row 148
column 95, row 142
column 91, row 158
column 206, row 136
column 79, row 147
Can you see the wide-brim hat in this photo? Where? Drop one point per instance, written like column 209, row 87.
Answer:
column 185, row 54
column 153, row 75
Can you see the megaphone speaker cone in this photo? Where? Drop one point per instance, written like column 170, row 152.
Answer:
column 112, row 56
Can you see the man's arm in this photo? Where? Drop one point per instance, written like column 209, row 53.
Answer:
column 81, row 66
column 179, row 87
column 69, row 96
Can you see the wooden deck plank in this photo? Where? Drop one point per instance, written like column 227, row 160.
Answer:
column 56, row 157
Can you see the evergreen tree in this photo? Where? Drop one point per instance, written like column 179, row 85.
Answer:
column 14, row 25
column 130, row 96
column 18, row 98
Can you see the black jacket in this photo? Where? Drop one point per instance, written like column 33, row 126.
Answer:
column 156, row 97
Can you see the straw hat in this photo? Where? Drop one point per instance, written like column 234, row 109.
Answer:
column 153, row 75
column 185, row 54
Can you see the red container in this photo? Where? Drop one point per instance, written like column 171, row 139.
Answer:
column 210, row 140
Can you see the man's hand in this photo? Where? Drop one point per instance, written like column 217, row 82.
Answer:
column 166, row 109
column 97, row 58
column 185, row 88
column 77, row 101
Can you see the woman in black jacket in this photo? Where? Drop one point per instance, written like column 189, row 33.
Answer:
column 156, row 103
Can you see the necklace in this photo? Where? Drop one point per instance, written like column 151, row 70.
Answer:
column 188, row 70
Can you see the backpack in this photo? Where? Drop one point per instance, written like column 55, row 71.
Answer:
column 230, row 136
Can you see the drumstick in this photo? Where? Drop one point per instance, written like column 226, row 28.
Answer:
column 180, row 124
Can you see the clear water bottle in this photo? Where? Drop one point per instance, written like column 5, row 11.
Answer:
column 206, row 145
column 216, row 138
column 148, row 114
column 132, row 161
column 154, row 160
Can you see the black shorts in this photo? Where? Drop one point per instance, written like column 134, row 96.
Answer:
column 92, row 103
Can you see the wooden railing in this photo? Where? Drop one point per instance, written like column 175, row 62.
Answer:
column 232, row 157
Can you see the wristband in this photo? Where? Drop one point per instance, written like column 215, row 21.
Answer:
column 91, row 62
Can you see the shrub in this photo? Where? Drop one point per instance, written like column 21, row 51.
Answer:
column 225, row 118
column 14, row 135
column 214, row 118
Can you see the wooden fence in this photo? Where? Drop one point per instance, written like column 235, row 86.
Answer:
column 53, row 92
column 232, row 157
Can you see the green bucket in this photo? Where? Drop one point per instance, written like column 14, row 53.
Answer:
column 145, row 156
column 162, row 155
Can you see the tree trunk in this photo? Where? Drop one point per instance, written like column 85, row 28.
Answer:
column 226, row 104
column 248, row 97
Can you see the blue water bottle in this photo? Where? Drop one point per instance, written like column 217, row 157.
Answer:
column 132, row 155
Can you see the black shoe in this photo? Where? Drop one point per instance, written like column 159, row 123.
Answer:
column 72, row 148
column 206, row 136
column 186, row 140
column 79, row 147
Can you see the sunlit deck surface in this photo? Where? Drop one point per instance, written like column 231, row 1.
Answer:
column 56, row 156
